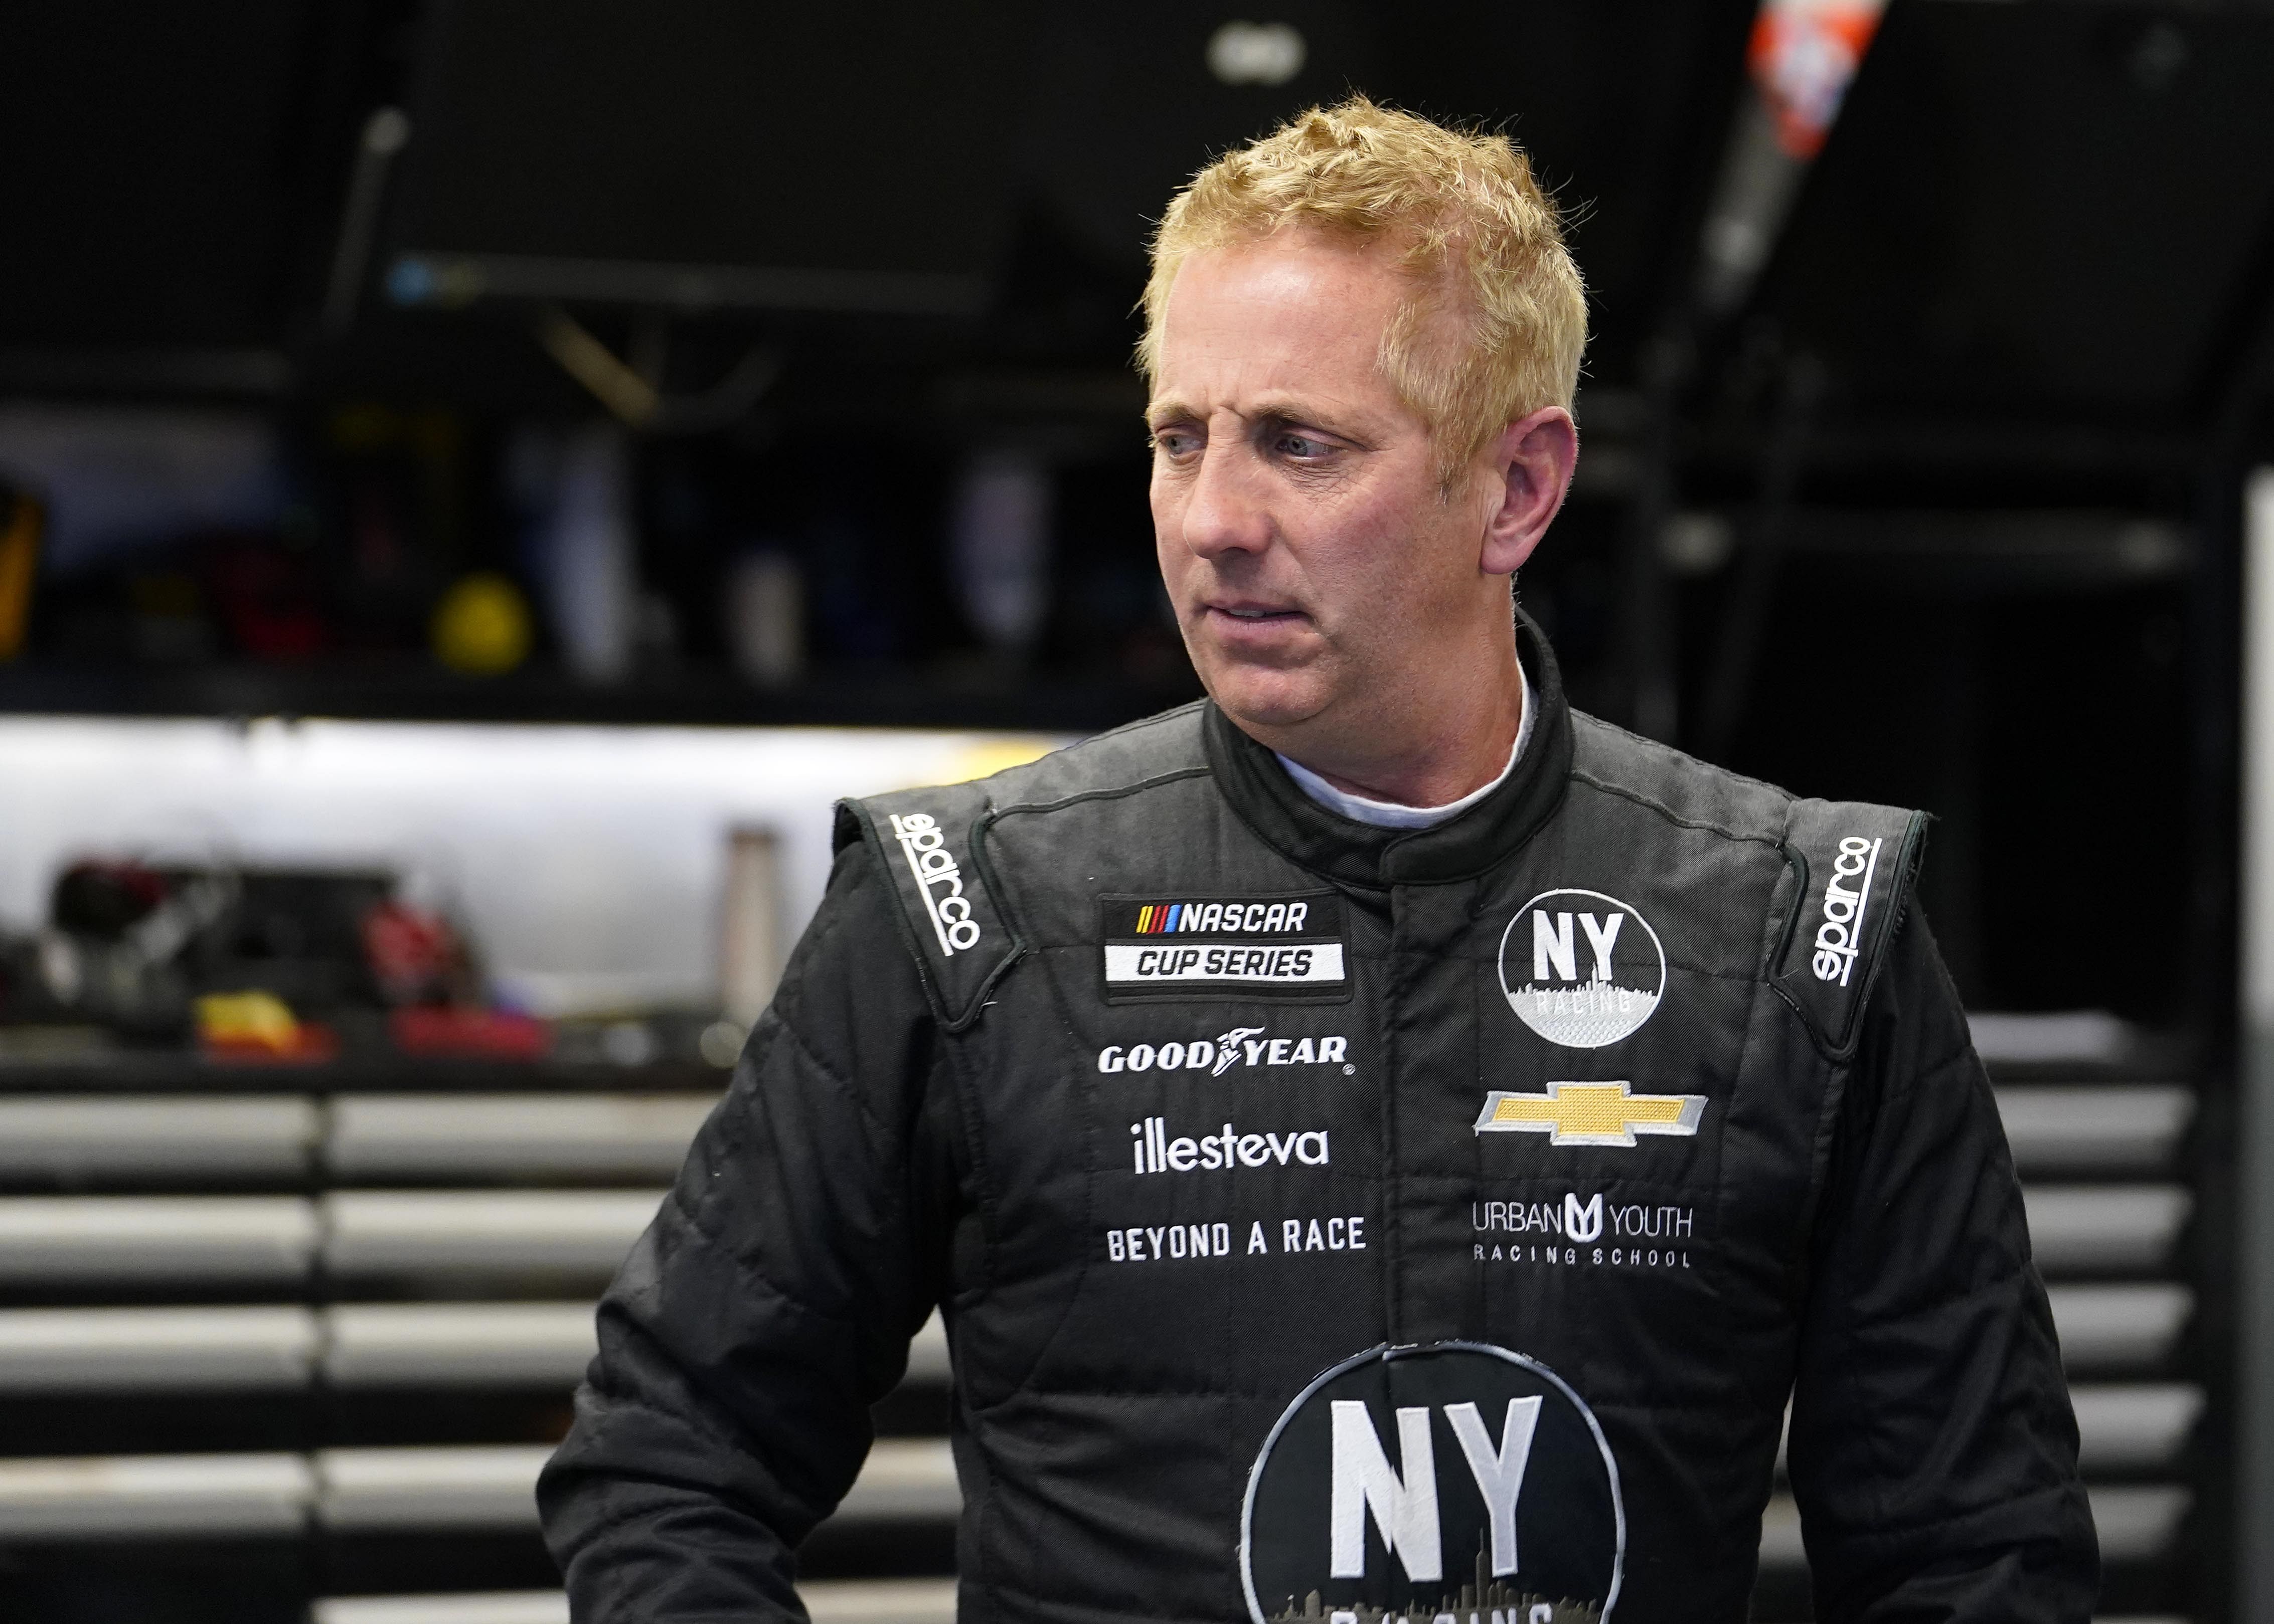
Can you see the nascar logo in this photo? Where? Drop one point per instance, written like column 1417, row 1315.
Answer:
column 1159, row 918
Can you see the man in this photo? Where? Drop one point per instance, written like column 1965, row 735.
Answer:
column 1381, row 1140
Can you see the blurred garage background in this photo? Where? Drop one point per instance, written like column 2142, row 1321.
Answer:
column 478, row 478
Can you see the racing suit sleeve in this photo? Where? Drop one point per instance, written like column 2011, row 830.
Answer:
column 1933, row 1451
column 773, row 1299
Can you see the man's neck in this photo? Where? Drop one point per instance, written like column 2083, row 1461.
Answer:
column 1447, row 749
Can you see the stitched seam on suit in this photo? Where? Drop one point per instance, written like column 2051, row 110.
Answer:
column 1670, row 814
column 1652, row 746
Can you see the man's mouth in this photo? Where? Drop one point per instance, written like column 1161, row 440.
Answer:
column 1247, row 612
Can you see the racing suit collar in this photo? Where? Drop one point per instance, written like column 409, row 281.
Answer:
column 1460, row 848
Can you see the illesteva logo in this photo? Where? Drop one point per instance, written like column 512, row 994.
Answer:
column 1580, row 968
column 1453, row 1478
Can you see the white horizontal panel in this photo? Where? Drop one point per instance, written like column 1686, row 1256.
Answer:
column 579, row 1231
column 880, row 1601
column 2131, row 1323
column 927, row 1363
column 155, row 1137
column 2074, row 1037
column 358, row 1345
column 156, row 1238
column 587, row 861
column 2113, row 1130
column 493, row 1607
column 2123, row 1428
column 1781, row 1546
column 145, row 1350
column 2085, row 1227
column 843, row 1601
column 458, row 1344
column 905, row 1479
column 153, row 1496
column 2136, row 1524
column 375, row 1136
column 488, row 1486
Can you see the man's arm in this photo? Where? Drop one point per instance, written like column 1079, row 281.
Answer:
column 773, row 1299
column 1933, row 1451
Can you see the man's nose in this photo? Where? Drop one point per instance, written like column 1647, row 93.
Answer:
column 1226, row 511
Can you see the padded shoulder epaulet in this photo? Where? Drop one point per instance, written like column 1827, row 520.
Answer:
column 928, row 840
column 1854, row 864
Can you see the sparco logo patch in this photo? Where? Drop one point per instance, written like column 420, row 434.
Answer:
column 1446, row 1480
column 1592, row 1113
column 1581, row 968
column 938, row 881
column 1266, row 946
column 1840, row 937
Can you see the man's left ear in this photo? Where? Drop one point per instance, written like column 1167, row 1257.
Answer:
column 1534, row 456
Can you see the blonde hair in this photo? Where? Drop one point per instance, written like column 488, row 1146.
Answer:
column 1473, row 229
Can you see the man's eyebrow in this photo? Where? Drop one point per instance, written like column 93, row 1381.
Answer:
column 1168, row 411
column 1351, row 425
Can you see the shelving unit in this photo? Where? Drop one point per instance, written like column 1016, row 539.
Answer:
column 362, row 1310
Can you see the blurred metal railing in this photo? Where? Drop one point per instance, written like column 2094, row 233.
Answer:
column 428, row 1487
column 842, row 1601
column 350, row 1345
column 2101, row 1164
column 103, row 1205
column 72, row 1140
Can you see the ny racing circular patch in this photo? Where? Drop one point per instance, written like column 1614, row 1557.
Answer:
column 1457, row 1477
column 1580, row 968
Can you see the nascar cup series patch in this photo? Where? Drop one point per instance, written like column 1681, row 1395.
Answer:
column 1287, row 946
column 1453, row 1478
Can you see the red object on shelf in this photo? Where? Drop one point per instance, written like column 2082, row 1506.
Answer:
column 445, row 1032
column 413, row 954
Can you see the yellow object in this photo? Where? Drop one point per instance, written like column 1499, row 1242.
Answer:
column 260, row 1018
column 996, row 755
column 482, row 626
column 19, row 558
column 1591, row 1113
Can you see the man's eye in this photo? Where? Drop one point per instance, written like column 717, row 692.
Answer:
column 1302, row 445
column 1175, row 442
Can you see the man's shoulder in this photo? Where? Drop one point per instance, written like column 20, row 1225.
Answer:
column 1159, row 748
column 931, row 843
column 1679, row 787
column 1848, row 867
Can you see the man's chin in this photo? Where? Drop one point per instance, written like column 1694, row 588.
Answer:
column 1264, row 701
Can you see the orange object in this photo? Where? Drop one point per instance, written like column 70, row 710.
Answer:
column 259, row 1026
column 20, row 560
column 1803, row 54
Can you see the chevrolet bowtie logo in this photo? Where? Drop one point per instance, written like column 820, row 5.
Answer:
column 1590, row 1113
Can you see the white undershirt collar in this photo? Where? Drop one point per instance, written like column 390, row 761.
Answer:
column 1389, row 814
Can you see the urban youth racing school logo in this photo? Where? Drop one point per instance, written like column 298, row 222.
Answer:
column 1282, row 946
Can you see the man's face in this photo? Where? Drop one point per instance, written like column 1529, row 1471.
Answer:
column 1313, row 565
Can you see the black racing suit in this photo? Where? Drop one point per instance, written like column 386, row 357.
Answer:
column 1331, row 1219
